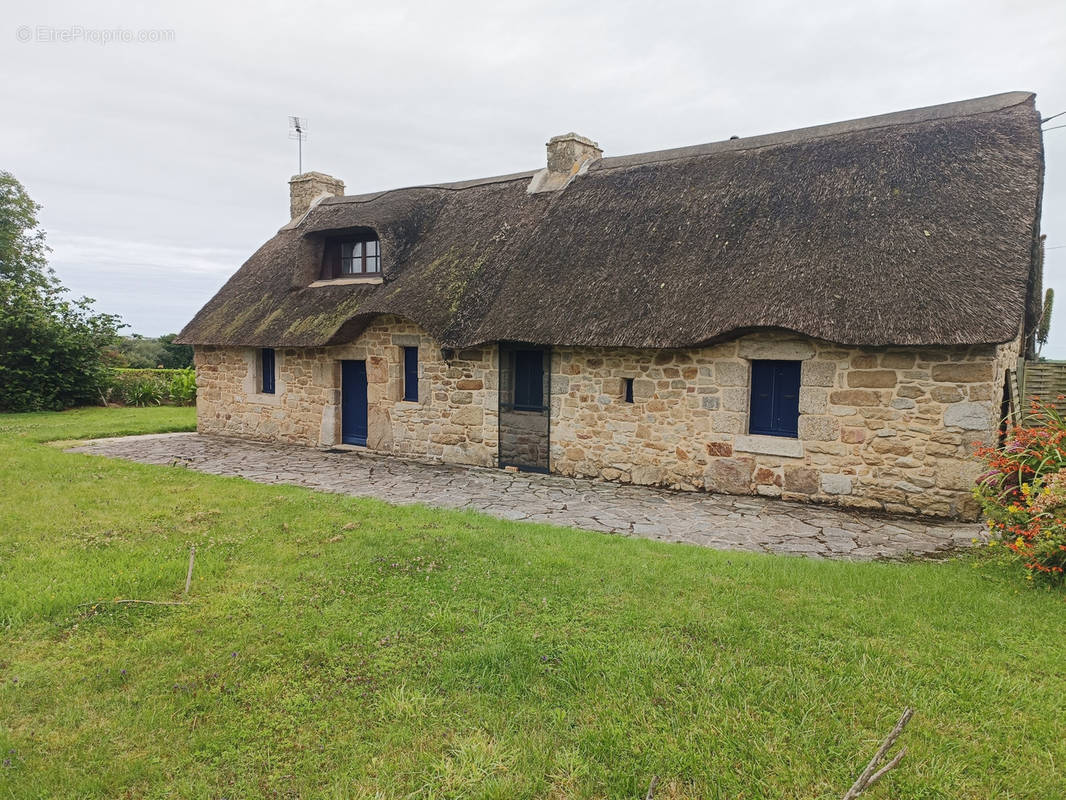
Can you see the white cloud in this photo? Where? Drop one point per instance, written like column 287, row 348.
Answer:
column 135, row 259
column 155, row 287
column 133, row 147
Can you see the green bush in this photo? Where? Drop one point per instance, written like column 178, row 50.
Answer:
column 143, row 393
column 183, row 387
column 142, row 387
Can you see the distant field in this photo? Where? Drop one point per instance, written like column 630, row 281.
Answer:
column 337, row 647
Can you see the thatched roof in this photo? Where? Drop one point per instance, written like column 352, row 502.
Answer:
column 916, row 228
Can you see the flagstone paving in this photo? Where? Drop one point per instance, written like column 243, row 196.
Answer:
column 719, row 521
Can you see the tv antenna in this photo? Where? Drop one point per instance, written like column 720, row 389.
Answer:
column 298, row 131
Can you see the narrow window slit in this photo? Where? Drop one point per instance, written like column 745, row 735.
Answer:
column 410, row 374
column 266, row 370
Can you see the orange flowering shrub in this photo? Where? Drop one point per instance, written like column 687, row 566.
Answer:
column 1023, row 493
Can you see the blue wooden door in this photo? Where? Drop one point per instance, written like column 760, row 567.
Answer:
column 353, row 402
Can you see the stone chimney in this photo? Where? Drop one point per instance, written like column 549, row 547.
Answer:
column 307, row 189
column 568, row 154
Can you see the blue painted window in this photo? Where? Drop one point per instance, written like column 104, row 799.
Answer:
column 410, row 374
column 266, row 370
column 775, row 398
column 529, row 380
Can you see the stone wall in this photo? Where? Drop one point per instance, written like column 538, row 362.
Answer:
column 524, row 437
column 885, row 429
column 454, row 419
column 229, row 403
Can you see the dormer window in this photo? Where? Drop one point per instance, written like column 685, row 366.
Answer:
column 351, row 258
column 360, row 258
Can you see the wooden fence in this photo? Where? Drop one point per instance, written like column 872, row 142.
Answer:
column 1045, row 380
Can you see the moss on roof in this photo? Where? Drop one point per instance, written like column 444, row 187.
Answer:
column 917, row 228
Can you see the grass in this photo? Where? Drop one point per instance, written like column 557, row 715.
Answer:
column 338, row 647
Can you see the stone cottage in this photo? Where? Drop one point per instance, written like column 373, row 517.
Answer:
column 826, row 314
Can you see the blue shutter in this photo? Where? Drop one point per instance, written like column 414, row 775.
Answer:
column 761, row 415
column 267, row 370
column 774, row 398
column 410, row 374
column 786, row 398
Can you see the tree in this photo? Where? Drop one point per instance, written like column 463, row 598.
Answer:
column 51, row 348
column 1044, row 329
column 23, row 253
column 176, row 356
column 142, row 352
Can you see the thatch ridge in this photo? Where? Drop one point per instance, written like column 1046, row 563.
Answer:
column 956, row 110
column 914, row 228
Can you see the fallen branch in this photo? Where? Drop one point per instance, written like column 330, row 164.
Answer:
column 144, row 602
column 651, row 788
column 188, row 583
column 872, row 774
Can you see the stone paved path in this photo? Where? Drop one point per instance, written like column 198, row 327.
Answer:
column 719, row 521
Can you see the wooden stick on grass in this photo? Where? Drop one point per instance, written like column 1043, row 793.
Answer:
column 871, row 774
column 651, row 788
column 188, row 575
column 188, row 583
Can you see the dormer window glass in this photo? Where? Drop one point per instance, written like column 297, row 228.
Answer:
column 361, row 258
column 351, row 258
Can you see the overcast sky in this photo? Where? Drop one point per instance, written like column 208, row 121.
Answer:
column 162, row 164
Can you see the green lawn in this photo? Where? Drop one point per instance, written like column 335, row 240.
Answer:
column 336, row 647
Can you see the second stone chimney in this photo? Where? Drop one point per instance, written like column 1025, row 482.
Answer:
column 307, row 189
column 568, row 155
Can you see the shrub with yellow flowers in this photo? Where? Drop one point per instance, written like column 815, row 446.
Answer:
column 1023, row 493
